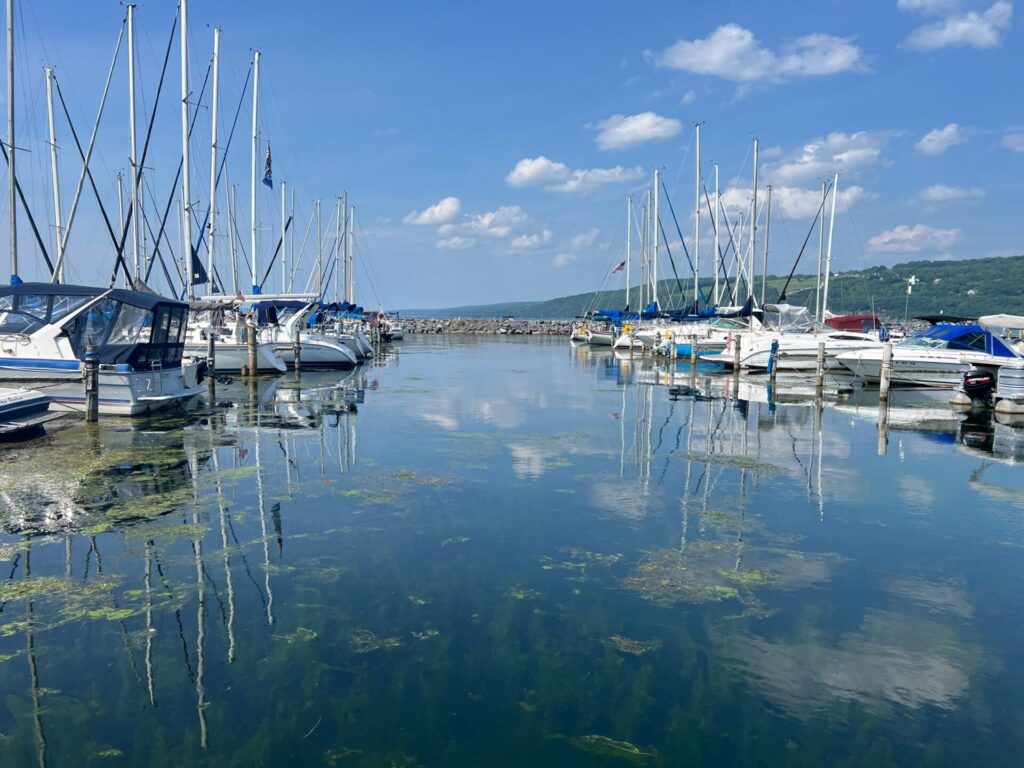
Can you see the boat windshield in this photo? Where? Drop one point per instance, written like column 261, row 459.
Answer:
column 28, row 312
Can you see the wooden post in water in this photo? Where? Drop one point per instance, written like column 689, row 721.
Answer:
column 773, row 362
column 819, row 371
column 883, row 427
column 250, row 342
column 736, row 341
column 693, row 350
column 211, row 363
column 91, row 365
column 297, row 349
column 886, row 373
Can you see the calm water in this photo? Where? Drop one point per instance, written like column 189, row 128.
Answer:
column 514, row 553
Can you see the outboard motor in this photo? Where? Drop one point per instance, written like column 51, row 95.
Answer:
column 979, row 384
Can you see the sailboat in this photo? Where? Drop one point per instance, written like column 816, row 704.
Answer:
column 47, row 329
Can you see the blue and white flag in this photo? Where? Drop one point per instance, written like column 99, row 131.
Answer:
column 268, row 176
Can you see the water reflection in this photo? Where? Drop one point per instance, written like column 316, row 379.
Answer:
column 480, row 554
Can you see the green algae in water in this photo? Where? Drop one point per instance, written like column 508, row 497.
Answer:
column 634, row 647
column 365, row 641
column 737, row 462
column 608, row 747
column 300, row 635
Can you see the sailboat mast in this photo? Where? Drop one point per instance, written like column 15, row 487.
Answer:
column 351, row 255
column 338, row 255
column 132, row 156
column 753, row 227
column 716, row 257
column 344, row 246
column 232, row 227
column 11, row 177
column 767, row 232
column 253, row 163
column 284, row 232
column 821, row 255
column 657, row 238
column 319, row 255
column 54, row 175
column 212, row 227
column 828, row 253
column 629, row 241
column 186, row 200
column 696, row 225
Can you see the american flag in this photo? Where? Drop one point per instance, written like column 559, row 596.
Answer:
column 268, row 177
column 619, row 267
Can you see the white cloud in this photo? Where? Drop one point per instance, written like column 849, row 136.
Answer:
column 438, row 213
column 689, row 97
column 557, row 177
column 941, row 193
column 733, row 53
column 620, row 131
column 907, row 239
column 563, row 259
column 454, row 243
column 934, row 7
column 1014, row 141
column 789, row 202
column 497, row 224
column 583, row 181
column 971, row 29
column 584, row 239
column 939, row 140
column 525, row 242
column 847, row 154
column 536, row 171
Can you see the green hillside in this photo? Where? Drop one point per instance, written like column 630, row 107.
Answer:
column 968, row 288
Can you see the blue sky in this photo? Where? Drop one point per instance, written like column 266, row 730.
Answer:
column 489, row 148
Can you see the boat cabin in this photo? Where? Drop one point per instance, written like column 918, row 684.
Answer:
column 142, row 330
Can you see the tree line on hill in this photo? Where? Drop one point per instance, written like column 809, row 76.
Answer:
column 966, row 288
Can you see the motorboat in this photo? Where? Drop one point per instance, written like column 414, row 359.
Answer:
column 46, row 329
column 936, row 357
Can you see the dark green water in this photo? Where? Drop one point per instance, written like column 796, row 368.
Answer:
column 513, row 554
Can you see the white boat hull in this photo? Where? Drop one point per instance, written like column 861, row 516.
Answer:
column 121, row 392
column 231, row 358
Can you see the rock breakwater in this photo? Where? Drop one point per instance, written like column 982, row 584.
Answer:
column 480, row 327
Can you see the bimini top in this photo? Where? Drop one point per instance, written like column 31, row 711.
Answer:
column 134, row 298
column 125, row 327
column 968, row 338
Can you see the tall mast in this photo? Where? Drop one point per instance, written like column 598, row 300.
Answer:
column 232, row 227
column 657, row 237
column 717, row 254
column 344, row 246
column 54, row 175
column 351, row 255
column 252, row 169
column 291, row 239
column 338, row 224
column 629, row 242
column 767, row 232
column 753, row 227
column 11, row 178
column 821, row 254
column 828, row 254
column 212, row 226
column 319, row 255
column 696, row 226
column 284, row 231
column 132, row 156
column 186, row 200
